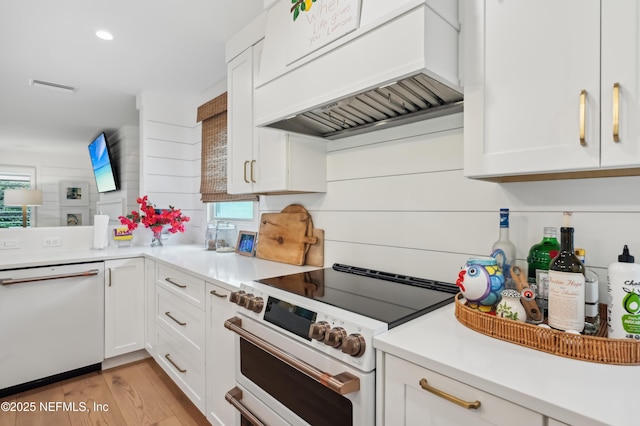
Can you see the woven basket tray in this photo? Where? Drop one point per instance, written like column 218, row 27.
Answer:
column 585, row 348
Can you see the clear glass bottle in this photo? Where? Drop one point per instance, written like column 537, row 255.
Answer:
column 507, row 247
column 591, row 297
column 540, row 256
column 210, row 237
column 566, row 284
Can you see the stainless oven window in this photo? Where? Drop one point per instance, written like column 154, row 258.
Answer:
column 311, row 401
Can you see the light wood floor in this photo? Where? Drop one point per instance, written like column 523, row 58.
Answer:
column 135, row 394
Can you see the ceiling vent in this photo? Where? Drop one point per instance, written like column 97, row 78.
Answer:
column 52, row 86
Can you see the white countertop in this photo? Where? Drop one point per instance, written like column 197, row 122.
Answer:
column 572, row 391
column 227, row 268
column 575, row 392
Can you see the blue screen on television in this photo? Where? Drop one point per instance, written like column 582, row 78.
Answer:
column 102, row 165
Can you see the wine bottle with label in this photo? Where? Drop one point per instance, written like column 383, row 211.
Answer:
column 507, row 247
column 566, row 284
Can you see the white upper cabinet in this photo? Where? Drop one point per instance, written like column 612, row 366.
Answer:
column 265, row 160
column 537, row 100
column 621, row 65
column 240, row 123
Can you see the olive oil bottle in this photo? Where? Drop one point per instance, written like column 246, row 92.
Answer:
column 566, row 284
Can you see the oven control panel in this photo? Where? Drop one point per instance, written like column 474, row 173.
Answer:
column 323, row 330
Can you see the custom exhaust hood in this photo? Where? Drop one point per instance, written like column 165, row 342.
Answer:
column 399, row 64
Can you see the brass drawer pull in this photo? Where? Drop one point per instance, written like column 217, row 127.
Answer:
column 168, row 313
column 253, row 163
column 169, row 280
column 245, row 171
column 168, row 357
column 223, row 296
column 468, row 405
column 616, row 112
column 583, row 116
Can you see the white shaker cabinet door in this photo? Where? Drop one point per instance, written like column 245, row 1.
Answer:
column 124, row 303
column 240, row 130
column 414, row 395
column 526, row 65
column 621, row 74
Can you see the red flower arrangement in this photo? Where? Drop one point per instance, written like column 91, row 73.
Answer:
column 155, row 218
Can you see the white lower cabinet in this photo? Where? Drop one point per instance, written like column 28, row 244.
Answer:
column 220, row 356
column 124, row 322
column 180, row 330
column 414, row 395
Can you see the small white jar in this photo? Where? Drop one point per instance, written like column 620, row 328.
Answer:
column 510, row 306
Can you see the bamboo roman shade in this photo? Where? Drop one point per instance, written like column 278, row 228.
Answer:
column 213, row 181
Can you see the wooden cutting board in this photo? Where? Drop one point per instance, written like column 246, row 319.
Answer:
column 283, row 237
column 315, row 255
column 315, row 252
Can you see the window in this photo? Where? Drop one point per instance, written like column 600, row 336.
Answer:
column 243, row 211
column 14, row 178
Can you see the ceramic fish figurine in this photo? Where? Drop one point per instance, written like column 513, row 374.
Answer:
column 481, row 280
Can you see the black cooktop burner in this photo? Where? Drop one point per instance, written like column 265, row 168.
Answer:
column 391, row 298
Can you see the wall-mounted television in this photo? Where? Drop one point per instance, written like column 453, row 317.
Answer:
column 103, row 166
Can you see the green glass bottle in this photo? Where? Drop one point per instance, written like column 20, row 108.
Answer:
column 540, row 256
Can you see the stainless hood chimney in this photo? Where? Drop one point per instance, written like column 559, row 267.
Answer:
column 399, row 65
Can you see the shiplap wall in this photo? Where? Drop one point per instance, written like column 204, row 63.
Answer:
column 171, row 151
column 398, row 201
column 66, row 163
column 124, row 145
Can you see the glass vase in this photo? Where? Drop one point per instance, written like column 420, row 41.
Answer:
column 156, row 240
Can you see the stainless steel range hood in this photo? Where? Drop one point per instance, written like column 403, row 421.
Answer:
column 399, row 66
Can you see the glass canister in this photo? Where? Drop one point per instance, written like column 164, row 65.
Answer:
column 226, row 237
column 210, row 237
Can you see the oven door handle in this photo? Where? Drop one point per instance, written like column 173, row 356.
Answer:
column 233, row 397
column 343, row 383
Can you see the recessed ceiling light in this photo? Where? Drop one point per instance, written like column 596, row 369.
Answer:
column 104, row 35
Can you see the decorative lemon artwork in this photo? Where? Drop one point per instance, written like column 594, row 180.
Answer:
column 300, row 5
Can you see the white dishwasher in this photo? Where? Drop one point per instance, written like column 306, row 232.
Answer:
column 51, row 324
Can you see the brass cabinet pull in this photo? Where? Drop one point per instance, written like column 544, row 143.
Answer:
column 616, row 112
column 168, row 357
column 218, row 294
column 10, row 281
column 583, row 116
column 233, row 397
column 468, row 405
column 342, row 383
column 169, row 280
column 245, row 171
column 253, row 163
column 168, row 313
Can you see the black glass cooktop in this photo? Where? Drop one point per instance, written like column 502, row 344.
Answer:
column 391, row 298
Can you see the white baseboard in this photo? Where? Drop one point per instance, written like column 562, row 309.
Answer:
column 119, row 360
